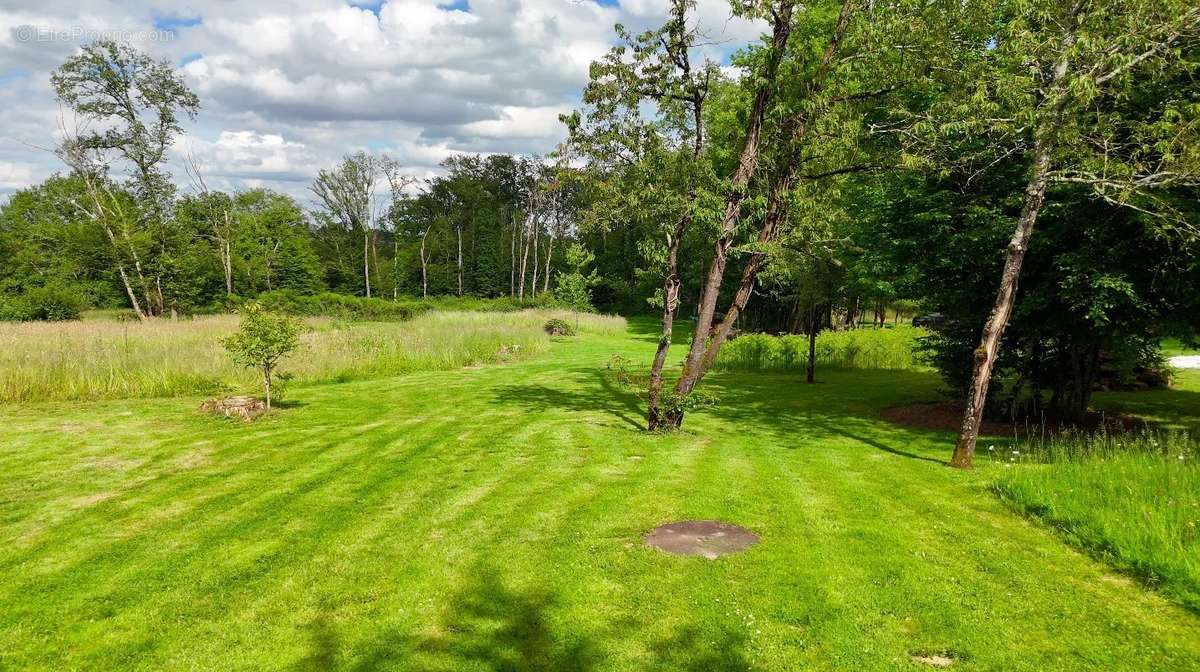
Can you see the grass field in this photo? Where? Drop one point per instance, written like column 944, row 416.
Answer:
column 490, row 518
column 106, row 359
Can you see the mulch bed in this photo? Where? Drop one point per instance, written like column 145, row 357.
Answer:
column 947, row 416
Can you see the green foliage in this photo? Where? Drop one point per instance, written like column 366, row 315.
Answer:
column 343, row 306
column 574, row 288
column 634, row 379
column 55, row 302
column 1131, row 499
column 887, row 348
column 262, row 339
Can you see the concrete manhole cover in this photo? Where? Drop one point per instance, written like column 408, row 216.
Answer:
column 708, row 538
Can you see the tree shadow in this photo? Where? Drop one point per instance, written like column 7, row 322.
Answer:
column 491, row 624
column 647, row 328
column 593, row 392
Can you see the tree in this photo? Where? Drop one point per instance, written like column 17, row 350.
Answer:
column 1050, row 93
column 262, row 339
column 348, row 193
column 575, row 289
column 135, row 103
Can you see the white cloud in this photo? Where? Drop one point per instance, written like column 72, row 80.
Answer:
column 289, row 86
column 15, row 175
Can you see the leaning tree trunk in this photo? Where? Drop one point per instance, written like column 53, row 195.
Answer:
column 1035, row 195
column 655, row 419
column 993, row 330
column 524, row 265
column 739, row 183
column 549, row 255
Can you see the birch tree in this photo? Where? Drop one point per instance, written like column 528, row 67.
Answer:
column 130, row 107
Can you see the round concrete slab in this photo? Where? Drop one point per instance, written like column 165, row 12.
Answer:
column 708, row 538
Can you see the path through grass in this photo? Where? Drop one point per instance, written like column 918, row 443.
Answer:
column 490, row 518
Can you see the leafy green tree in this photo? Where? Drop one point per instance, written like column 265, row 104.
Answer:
column 131, row 106
column 1053, row 92
column 575, row 288
column 262, row 339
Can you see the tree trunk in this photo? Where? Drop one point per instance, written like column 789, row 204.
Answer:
column 228, row 262
column 810, row 374
column 740, row 180
column 549, row 254
column 524, row 264
column 993, row 329
column 424, row 267
column 460, row 265
column 512, row 260
column 533, row 285
column 367, row 261
column 767, row 233
column 655, row 419
column 267, row 386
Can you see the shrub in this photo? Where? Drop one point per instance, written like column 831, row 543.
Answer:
column 54, row 302
column 341, row 306
column 262, row 339
column 558, row 327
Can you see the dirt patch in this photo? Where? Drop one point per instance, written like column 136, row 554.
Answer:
column 944, row 416
column 707, row 538
column 243, row 408
column 933, row 660
column 947, row 416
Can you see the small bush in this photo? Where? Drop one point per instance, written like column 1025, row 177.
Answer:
column 49, row 303
column 557, row 327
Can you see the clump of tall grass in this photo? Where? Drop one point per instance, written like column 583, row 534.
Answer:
column 890, row 348
column 101, row 359
column 1131, row 498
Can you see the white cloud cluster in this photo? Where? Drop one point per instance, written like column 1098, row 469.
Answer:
column 287, row 87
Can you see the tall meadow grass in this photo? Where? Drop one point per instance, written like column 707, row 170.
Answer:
column 1132, row 499
column 106, row 359
column 889, row 348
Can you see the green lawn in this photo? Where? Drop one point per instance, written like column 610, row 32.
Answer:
column 491, row 518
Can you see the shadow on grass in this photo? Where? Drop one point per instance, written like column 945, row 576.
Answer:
column 585, row 390
column 490, row 624
column 775, row 404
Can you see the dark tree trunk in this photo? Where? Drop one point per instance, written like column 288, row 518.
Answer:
column 739, row 181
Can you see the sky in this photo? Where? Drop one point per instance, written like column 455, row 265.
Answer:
column 287, row 87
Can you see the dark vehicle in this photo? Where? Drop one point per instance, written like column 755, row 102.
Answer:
column 933, row 321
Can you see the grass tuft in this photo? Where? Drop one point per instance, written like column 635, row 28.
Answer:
column 1132, row 499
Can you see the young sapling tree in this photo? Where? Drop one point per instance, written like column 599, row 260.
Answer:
column 262, row 339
